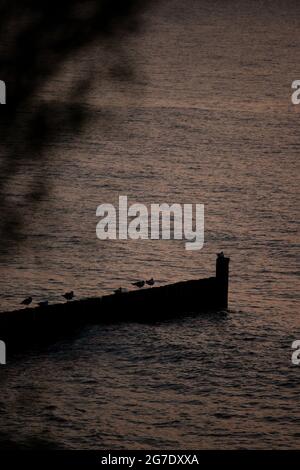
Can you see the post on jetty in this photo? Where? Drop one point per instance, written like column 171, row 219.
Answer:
column 222, row 277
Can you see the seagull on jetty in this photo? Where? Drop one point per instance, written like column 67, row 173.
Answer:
column 121, row 290
column 68, row 295
column 150, row 282
column 44, row 303
column 138, row 284
column 26, row 301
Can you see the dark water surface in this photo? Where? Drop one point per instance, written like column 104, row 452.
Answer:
column 207, row 120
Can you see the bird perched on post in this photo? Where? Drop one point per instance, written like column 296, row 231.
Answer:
column 68, row 295
column 138, row 284
column 150, row 282
column 26, row 301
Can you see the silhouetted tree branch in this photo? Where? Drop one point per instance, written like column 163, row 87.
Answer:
column 36, row 40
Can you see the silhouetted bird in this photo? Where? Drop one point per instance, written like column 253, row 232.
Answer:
column 44, row 303
column 138, row 284
column 150, row 282
column 26, row 301
column 121, row 290
column 68, row 295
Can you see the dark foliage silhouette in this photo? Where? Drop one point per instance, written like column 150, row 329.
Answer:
column 36, row 40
